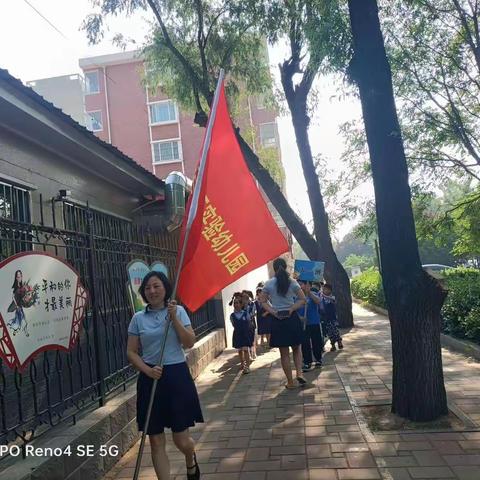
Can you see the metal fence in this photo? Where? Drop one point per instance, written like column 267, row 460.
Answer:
column 58, row 385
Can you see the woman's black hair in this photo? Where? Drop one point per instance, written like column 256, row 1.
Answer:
column 15, row 283
column 282, row 276
column 166, row 284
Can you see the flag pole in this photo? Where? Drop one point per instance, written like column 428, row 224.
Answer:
column 191, row 217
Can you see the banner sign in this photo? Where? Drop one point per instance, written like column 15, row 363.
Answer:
column 42, row 305
column 309, row 270
column 136, row 270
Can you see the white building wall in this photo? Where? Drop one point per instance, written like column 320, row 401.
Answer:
column 247, row 282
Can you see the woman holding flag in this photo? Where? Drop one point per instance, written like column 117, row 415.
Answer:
column 286, row 297
column 176, row 404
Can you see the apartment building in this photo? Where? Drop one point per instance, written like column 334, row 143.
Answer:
column 66, row 92
column 150, row 127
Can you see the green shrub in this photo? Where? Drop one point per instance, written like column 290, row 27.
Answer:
column 368, row 287
column 461, row 310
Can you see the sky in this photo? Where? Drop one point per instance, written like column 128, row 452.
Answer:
column 33, row 49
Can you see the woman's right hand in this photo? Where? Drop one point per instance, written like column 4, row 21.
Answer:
column 155, row 372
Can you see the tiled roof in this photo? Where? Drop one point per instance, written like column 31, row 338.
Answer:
column 17, row 84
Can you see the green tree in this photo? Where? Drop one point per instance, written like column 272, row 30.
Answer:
column 317, row 36
column 434, row 46
column 414, row 299
column 354, row 244
column 190, row 42
column 358, row 261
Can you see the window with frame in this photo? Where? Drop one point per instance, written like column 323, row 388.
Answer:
column 94, row 121
column 92, row 83
column 15, row 207
column 168, row 151
column 163, row 112
column 260, row 102
column 14, row 203
column 268, row 134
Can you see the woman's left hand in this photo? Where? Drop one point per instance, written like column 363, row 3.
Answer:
column 172, row 309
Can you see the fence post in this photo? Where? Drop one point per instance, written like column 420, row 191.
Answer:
column 92, row 274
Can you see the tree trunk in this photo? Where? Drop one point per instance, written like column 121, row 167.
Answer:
column 275, row 195
column 334, row 271
column 414, row 299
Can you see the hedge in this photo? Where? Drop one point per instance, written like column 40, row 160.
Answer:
column 461, row 310
column 368, row 287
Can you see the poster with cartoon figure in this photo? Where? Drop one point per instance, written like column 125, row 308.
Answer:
column 136, row 270
column 41, row 309
column 23, row 296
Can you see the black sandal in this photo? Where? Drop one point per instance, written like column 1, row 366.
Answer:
column 196, row 474
column 301, row 381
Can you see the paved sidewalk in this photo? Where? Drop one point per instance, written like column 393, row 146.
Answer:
column 257, row 430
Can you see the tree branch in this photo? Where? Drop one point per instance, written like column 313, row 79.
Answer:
column 201, row 41
column 169, row 44
column 475, row 48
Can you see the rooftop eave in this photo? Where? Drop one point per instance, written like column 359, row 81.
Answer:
column 39, row 124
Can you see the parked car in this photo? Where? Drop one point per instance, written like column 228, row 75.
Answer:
column 435, row 269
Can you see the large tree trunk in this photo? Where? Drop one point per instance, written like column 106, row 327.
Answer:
column 414, row 299
column 334, row 271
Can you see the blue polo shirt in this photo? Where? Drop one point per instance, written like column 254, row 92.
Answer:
column 150, row 326
column 281, row 302
column 313, row 316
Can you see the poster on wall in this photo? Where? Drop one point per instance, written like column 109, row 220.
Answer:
column 309, row 270
column 136, row 270
column 42, row 305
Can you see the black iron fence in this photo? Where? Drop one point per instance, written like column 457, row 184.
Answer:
column 58, row 385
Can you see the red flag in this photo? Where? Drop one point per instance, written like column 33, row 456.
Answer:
column 233, row 231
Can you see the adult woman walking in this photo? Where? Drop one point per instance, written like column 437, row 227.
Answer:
column 176, row 405
column 286, row 297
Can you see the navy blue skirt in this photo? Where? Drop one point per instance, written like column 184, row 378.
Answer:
column 264, row 324
column 287, row 332
column 176, row 404
column 243, row 336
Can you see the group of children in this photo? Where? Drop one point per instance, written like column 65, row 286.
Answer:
column 251, row 324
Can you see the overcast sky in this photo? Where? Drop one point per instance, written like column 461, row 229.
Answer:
column 33, row 49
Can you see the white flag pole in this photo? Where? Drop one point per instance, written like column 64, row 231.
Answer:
column 191, row 217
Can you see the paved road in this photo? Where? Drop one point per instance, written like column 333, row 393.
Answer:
column 257, row 430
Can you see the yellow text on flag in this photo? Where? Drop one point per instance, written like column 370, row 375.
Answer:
column 221, row 240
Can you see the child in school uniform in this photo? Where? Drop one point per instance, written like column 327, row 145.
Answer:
column 313, row 339
column 242, row 333
column 249, row 306
column 329, row 313
column 264, row 321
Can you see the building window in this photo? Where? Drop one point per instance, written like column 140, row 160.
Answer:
column 167, row 151
column 163, row 112
column 94, row 121
column 268, row 134
column 260, row 102
column 14, row 203
column 92, row 84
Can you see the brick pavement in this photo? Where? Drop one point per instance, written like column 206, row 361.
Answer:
column 257, row 430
